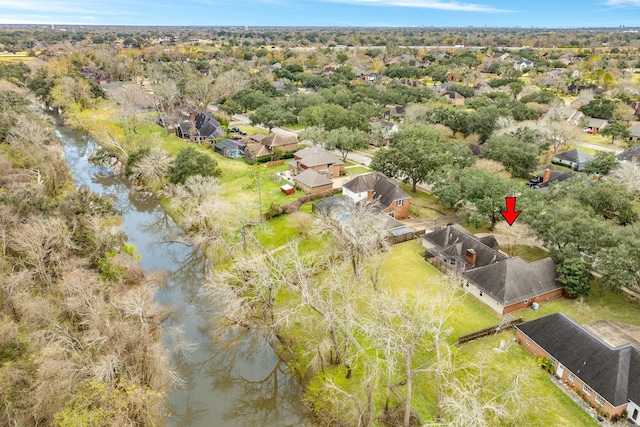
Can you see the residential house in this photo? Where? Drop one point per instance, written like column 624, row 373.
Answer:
column 457, row 249
column 523, row 65
column 607, row 377
column 595, row 125
column 287, row 143
column 383, row 129
column 260, row 146
column 630, row 155
column 454, row 97
column 504, row 284
column 634, row 131
column 548, row 177
column 513, row 284
column 230, row 148
column 318, row 159
column 200, row 127
column 565, row 113
column 313, row 182
column 575, row 159
column 383, row 192
column 396, row 112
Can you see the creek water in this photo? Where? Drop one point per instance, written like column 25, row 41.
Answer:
column 239, row 382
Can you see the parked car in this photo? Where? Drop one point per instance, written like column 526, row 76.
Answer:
column 234, row 129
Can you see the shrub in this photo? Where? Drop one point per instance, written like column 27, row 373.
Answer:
column 190, row 162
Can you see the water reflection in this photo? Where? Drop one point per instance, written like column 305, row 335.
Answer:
column 226, row 381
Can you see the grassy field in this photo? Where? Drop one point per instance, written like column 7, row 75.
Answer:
column 556, row 408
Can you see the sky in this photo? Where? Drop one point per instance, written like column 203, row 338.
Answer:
column 346, row 13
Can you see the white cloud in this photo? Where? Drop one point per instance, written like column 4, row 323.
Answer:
column 631, row 3
column 57, row 7
column 431, row 4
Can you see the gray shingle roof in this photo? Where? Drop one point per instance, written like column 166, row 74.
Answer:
column 317, row 156
column 454, row 240
column 228, row 144
column 612, row 372
column 514, row 280
column 575, row 156
column 627, row 154
column 312, row 179
column 385, row 190
column 634, row 130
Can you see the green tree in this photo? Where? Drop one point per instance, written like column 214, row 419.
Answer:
column 599, row 108
column 482, row 122
column 481, row 189
column 519, row 157
column 615, row 130
column 575, row 276
column 416, row 153
column 603, row 163
column 190, row 162
column 345, row 140
column 271, row 116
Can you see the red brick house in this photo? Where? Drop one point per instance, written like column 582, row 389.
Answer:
column 504, row 284
column 376, row 188
column 607, row 377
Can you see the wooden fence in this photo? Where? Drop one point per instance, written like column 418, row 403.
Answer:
column 488, row 331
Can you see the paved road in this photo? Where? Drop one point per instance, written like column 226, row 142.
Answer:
column 613, row 149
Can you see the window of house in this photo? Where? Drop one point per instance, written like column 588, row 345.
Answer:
column 587, row 390
column 572, row 377
column 400, row 202
column 527, row 341
column 599, row 399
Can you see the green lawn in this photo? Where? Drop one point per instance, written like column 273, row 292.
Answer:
column 356, row 170
column 527, row 253
column 597, row 306
column 550, row 406
column 425, row 205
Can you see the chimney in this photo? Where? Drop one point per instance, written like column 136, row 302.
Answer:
column 634, row 158
column 547, row 175
column 470, row 257
column 192, row 115
column 369, row 195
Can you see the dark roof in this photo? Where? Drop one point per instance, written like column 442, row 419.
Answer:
column 514, row 280
column 634, row 130
column 556, row 176
column 628, row 154
column 454, row 240
column 208, row 126
column 575, row 156
column 385, row 190
column 612, row 372
column 228, row 144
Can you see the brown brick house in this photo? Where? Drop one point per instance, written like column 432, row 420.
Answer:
column 605, row 376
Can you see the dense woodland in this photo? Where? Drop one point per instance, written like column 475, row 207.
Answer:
column 61, row 247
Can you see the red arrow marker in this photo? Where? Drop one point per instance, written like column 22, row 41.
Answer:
column 511, row 214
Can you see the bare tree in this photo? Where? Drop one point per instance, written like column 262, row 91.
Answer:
column 629, row 174
column 154, row 166
column 130, row 100
column 358, row 231
column 228, row 83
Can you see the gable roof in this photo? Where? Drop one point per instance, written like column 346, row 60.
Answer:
column 454, row 240
column 385, row 190
column 317, row 156
column 514, row 280
column 627, row 155
column 575, row 156
column 312, row 179
column 208, row 126
column 596, row 123
column 612, row 372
